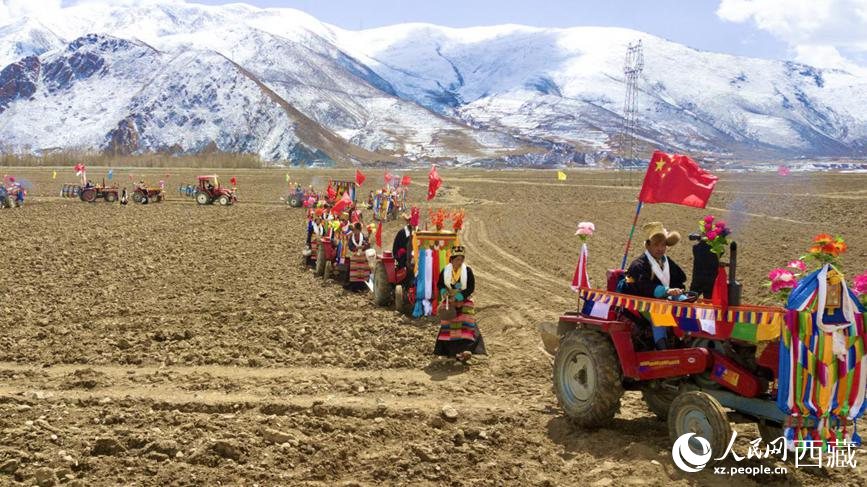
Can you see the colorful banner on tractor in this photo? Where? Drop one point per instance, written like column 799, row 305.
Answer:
column 822, row 369
column 676, row 179
column 746, row 323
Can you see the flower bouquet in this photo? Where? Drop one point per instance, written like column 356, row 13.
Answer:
column 715, row 234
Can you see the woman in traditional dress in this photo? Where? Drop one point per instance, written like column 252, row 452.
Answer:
column 459, row 337
column 359, row 268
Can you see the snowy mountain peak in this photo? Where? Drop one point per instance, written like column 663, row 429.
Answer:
column 182, row 77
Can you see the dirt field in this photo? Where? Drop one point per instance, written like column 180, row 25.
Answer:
column 171, row 344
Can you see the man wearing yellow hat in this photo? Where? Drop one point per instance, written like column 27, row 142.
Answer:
column 654, row 274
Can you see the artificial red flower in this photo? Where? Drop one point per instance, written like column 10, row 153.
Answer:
column 823, row 238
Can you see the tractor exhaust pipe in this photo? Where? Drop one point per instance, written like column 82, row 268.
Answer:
column 735, row 288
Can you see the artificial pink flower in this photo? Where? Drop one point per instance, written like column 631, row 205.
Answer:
column 860, row 287
column 781, row 279
column 709, row 219
column 712, row 234
column 585, row 228
column 797, row 264
column 721, row 224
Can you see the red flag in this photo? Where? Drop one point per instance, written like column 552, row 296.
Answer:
column 405, row 181
column 379, row 235
column 332, row 194
column 434, row 183
column 387, row 177
column 79, row 168
column 343, row 203
column 676, row 179
column 233, row 181
column 359, row 177
column 581, row 279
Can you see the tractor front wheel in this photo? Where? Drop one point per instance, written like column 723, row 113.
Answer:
column 329, row 270
column 587, row 378
column 224, row 200
column 203, row 198
column 383, row 292
column 700, row 414
column 110, row 197
column 136, row 197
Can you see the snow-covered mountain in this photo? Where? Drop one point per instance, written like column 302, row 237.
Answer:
column 183, row 77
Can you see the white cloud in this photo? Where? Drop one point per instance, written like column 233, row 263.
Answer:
column 815, row 30
column 13, row 9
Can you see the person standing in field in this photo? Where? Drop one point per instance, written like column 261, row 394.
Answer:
column 459, row 336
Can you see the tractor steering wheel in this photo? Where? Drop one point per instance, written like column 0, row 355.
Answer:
column 690, row 296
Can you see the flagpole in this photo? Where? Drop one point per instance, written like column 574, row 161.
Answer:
column 631, row 232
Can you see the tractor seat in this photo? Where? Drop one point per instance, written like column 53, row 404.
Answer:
column 614, row 276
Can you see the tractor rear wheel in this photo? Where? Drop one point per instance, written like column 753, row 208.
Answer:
column 658, row 400
column 400, row 304
column 587, row 378
column 88, row 195
column 329, row 269
column 224, row 200
column 702, row 415
column 383, row 292
column 294, row 202
column 136, row 197
column 320, row 261
column 157, row 198
column 110, row 197
column 203, row 198
column 7, row 202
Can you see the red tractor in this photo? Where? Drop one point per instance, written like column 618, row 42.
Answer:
column 209, row 191
column 708, row 377
column 394, row 285
column 141, row 192
column 90, row 192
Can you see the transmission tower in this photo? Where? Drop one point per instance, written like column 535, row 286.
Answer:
column 632, row 68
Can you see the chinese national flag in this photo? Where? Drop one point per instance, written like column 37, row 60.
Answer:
column 233, row 181
column 405, row 181
column 676, row 179
column 387, row 178
column 332, row 194
column 434, row 183
column 359, row 177
column 379, row 235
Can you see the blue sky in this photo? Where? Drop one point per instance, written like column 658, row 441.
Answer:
column 691, row 22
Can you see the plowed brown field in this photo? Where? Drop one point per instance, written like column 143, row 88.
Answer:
column 172, row 344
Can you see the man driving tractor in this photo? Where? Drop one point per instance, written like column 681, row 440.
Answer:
column 655, row 275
